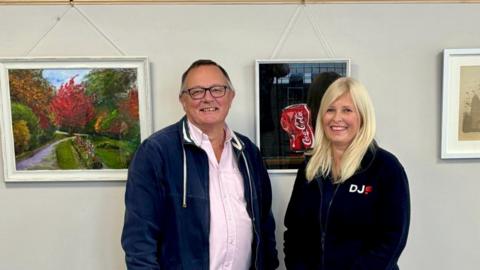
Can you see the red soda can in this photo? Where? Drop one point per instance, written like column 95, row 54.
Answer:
column 295, row 120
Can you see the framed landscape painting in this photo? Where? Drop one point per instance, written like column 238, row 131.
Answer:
column 461, row 104
column 72, row 119
column 282, row 85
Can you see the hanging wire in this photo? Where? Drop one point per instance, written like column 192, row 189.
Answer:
column 57, row 21
column 318, row 33
column 321, row 37
column 86, row 18
column 98, row 30
column 286, row 32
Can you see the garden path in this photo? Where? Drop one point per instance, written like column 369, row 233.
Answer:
column 40, row 156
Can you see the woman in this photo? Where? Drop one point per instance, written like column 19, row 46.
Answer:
column 350, row 206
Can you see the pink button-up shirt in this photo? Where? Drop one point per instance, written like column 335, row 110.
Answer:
column 231, row 232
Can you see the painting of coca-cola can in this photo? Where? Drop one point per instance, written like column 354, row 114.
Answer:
column 68, row 119
column 295, row 120
column 284, row 130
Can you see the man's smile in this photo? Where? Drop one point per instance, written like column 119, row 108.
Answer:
column 209, row 109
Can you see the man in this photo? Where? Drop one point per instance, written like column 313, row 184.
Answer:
column 198, row 195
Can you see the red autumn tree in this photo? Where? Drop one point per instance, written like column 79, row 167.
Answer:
column 71, row 107
column 129, row 106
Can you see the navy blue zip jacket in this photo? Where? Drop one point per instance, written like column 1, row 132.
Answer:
column 361, row 225
column 167, row 215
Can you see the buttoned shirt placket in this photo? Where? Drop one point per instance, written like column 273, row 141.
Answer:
column 229, row 219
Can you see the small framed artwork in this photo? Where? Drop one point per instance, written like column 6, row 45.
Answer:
column 72, row 119
column 283, row 85
column 461, row 104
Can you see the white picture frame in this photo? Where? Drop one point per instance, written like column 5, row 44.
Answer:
column 461, row 104
column 102, row 130
column 270, row 99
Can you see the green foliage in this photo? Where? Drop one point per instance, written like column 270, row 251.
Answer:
column 108, row 145
column 47, row 134
column 23, row 112
column 115, row 154
column 66, row 156
column 21, row 136
column 107, row 122
column 114, row 159
column 90, row 127
column 133, row 135
column 109, row 85
column 115, row 96
column 114, row 125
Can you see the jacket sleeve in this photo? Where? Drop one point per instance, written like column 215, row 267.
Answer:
column 393, row 221
column 268, row 221
column 141, row 234
column 292, row 246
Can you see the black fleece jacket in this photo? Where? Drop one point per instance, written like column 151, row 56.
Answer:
column 364, row 222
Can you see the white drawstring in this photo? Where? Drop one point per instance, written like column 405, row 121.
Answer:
column 184, row 198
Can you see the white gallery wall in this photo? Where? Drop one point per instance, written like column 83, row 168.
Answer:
column 395, row 49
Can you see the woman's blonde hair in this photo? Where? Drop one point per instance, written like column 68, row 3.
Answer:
column 321, row 161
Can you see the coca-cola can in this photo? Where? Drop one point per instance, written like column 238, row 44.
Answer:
column 295, row 120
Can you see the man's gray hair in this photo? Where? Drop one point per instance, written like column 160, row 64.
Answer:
column 204, row 62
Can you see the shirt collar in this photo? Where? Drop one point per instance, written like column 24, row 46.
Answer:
column 198, row 137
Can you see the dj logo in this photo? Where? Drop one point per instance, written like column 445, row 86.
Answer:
column 361, row 190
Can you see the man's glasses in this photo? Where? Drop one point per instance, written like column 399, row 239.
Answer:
column 216, row 91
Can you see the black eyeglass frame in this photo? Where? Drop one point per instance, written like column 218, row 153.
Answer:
column 205, row 89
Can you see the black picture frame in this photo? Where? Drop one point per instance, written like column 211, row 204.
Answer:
column 281, row 83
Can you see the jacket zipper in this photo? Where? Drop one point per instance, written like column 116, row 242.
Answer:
column 324, row 230
column 253, row 213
